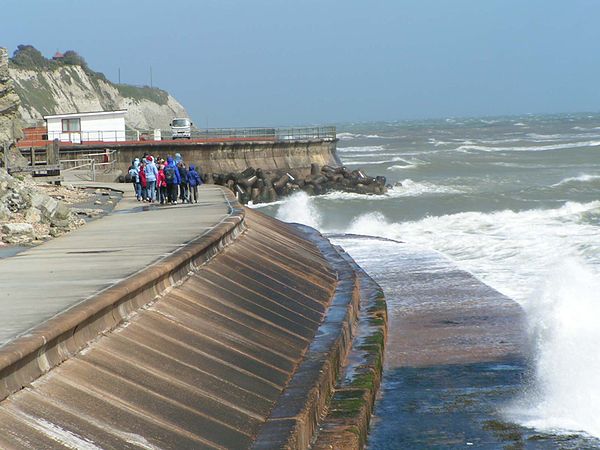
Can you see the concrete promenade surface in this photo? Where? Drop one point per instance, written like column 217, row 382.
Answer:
column 46, row 280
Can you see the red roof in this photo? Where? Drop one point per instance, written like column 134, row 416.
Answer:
column 58, row 55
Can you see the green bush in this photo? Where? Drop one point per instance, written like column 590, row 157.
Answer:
column 28, row 57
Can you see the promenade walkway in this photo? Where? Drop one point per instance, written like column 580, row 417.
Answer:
column 43, row 281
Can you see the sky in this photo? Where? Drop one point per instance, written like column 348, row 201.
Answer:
column 303, row 62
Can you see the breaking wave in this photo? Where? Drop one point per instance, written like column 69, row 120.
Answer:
column 580, row 179
column 365, row 149
column 483, row 148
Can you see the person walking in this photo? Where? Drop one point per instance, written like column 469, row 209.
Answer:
column 172, row 178
column 138, row 183
column 161, row 183
column 134, row 176
column 183, row 185
column 143, row 184
column 151, row 175
column 194, row 181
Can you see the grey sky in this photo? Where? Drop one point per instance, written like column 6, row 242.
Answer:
column 280, row 62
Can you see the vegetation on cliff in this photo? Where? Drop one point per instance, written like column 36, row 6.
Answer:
column 66, row 83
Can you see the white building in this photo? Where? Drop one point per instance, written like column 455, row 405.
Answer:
column 101, row 126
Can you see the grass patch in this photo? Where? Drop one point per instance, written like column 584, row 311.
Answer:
column 36, row 93
column 143, row 93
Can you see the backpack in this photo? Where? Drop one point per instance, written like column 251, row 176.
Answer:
column 169, row 174
column 133, row 174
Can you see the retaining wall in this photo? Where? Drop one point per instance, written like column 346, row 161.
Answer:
column 224, row 157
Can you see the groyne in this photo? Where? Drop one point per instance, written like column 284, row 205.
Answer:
column 235, row 340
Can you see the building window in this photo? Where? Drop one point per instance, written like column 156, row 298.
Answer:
column 71, row 125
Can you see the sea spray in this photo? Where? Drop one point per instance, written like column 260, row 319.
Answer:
column 299, row 208
column 563, row 322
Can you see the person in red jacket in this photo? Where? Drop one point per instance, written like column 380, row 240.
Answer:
column 161, row 184
column 143, row 181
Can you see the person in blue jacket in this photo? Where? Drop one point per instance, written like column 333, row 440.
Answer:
column 173, row 179
column 194, row 180
column 151, row 175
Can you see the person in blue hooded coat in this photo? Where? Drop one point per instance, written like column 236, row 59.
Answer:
column 173, row 179
column 194, row 180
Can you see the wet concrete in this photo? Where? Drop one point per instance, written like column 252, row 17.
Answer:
column 7, row 251
column 456, row 353
column 202, row 367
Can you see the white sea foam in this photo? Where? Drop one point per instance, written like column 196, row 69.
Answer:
column 584, row 178
column 483, row 148
column 409, row 188
column 407, row 164
column 346, row 136
column 250, row 204
column 412, row 188
column 507, row 249
column 366, row 155
column 364, row 149
column 340, row 195
column 361, row 162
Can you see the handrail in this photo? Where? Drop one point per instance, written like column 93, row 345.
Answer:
column 38, row 137
column 89, row 163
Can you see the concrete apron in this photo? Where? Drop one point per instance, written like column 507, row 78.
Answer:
column 199, row 354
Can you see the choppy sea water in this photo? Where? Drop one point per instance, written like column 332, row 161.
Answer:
column 514, row 201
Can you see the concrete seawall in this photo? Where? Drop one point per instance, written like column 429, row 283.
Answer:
column 231, row 342
column 224, row 157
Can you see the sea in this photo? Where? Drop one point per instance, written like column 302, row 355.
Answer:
column 515, row 201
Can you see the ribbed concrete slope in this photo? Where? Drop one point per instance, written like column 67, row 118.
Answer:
column 200, row 368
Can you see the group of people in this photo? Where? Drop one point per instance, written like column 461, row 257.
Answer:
column 164, row 181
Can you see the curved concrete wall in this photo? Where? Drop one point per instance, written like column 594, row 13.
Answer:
column 201, row 349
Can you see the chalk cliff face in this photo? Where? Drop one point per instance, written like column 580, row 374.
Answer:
column 9, row 104
column 73, row 88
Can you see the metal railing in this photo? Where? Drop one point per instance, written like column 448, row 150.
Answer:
column 277, row 134
column 38, row 137
column 78, row 137
column 87, row 166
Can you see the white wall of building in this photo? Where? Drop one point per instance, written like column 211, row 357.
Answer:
column 107, row 126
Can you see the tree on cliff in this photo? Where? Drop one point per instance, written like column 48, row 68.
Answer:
column 29, row 57
column 71, row 57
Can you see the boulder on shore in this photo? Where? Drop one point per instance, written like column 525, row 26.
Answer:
column 22, row 202
column 17, row 233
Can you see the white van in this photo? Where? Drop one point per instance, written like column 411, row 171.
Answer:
column 181, row 127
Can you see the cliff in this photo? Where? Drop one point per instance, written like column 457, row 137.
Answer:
column 9, row 105
column 67, row 85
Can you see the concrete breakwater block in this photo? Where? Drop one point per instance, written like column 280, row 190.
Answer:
column 261, row 186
